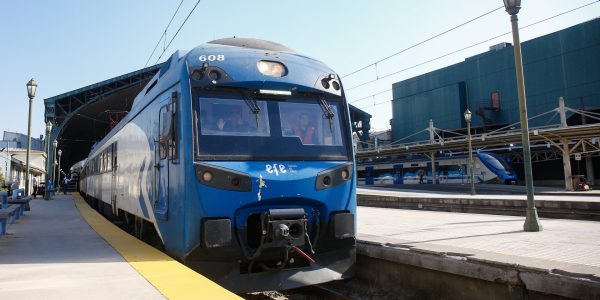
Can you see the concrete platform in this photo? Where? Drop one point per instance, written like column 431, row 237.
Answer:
column 562, row 260
column 55, row 252
column 487, row 189
column 571, row 206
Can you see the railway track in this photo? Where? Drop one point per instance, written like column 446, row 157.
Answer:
column 318, row 291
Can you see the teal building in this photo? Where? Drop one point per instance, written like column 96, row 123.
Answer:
column 564, row 63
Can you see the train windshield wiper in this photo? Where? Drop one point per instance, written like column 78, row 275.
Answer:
column 327, row 111
column 253, row 107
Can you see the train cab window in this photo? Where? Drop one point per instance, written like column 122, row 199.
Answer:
column 234, row 117
column 232, row 126
column 307, row 122
column 495, row 161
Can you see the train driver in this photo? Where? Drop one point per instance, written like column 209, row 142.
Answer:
column 304, row 130
column 236, row 123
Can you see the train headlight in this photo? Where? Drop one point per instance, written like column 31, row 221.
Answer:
column 334, row 176
column 222, row 178
column 207, row 176
column 345, row 174
column 271, row 68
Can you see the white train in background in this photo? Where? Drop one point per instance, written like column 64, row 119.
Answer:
column 488, row 168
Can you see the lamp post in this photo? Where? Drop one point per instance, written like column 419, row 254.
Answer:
column 59, row 155
column 532, row 222
column 31, row 89
column 48, row 159
column 54, row 144
column 468, row 119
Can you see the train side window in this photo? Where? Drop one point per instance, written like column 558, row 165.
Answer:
column 114, row 155
column 164, row 134
column 109, row 158
column 104, row 161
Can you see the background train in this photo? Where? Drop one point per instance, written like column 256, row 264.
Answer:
column 236, row 159
column 488, row 168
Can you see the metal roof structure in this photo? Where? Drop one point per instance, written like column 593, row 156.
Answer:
column 552, row 135
column 82, row 116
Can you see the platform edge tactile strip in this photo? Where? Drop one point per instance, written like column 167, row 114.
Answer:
column 173, row 279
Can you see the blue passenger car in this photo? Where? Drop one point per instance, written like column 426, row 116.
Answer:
column 236, row 158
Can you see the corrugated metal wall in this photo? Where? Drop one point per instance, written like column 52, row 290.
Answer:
column 564, row 63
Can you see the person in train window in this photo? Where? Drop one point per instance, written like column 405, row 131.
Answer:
column 220, row 125
column 304, row 130
column 236, row 123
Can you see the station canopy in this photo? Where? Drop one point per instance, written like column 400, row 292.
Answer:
column 84, row 116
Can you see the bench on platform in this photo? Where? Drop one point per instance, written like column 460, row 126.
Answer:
column 4, row 198
column 16, row 198
column 23, row 204
column 8, row 215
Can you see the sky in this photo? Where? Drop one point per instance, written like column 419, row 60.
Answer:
column 65, row 45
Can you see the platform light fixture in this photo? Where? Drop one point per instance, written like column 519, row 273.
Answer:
column 532, row 222
column 31, row 89
column 54, row 145
column 468, row 116
column 48, row 130
column 512, row 6
column 58, row 167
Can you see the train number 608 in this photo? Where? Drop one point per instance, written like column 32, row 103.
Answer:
column 211, row 57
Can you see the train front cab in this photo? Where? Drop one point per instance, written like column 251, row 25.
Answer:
column 287, row 197
column 496, row 164
column 273, row 203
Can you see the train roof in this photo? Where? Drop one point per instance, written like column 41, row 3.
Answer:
column 252, row 43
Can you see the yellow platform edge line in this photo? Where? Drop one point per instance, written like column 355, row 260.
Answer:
column 172, row 279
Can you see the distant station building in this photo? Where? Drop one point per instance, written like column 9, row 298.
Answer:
column 19, row 140
column 561, row 64
column 13, row 158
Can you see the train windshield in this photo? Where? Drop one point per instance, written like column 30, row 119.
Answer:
column 231, row 127
column 494, row 161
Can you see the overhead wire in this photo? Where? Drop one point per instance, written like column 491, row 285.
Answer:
column 182, row 24
column 450, row 53
column 164, row 34
column 423, row 42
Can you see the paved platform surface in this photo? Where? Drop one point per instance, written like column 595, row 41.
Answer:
column 592, row 196
column 486, row 189
column 569, row 249
column 569, row 243
column 52, row 253
column 62, row 249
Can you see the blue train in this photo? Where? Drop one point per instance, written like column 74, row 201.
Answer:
column 236, row 158
column 488, row 168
